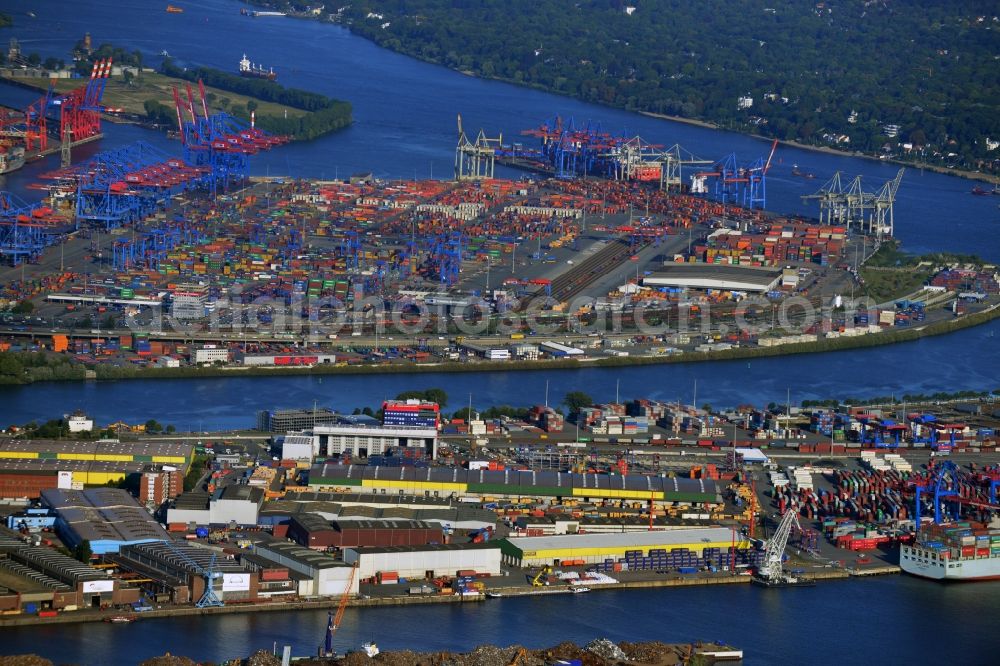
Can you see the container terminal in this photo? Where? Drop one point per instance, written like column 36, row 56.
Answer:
column 142, row 259
column 53, row 123
column 414, row 507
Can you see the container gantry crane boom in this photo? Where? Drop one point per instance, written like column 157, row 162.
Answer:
column 775, row 549
column 342, row 604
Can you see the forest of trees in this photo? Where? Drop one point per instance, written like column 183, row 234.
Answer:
column 324, row 115
column 26, row 367
column 925, row 66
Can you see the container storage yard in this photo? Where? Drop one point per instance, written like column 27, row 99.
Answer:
column 282, row 273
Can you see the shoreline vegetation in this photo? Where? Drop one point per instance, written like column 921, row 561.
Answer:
column 145, row 98
column 936, row 168
column 634, row 79
column 66, row 371
column 322, row 115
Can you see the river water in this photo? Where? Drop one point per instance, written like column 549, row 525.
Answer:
column 892, row 620
column 924, row 366
column 404, row 127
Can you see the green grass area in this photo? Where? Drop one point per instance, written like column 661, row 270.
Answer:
column 892, row 273
column 891, row 283
column 890, row 255
column 158, row 87
column 194, row 472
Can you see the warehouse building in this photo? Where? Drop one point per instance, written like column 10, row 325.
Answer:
column 715, row 276
column 322, row 575
column 28, row 478
column 488, row 353
column 565, row 524
column 233, row 504
column 417, row 413
column 361, row 441
column 209, row 354
column 595, row 548
column 559, row 350
column 287, row 420
column 297, row 447
column 275, row 580
column 284, row 360
column 452, row 518
column 426, row 562
column 382, row 501
column 316, row 532
column 50, row 580
column 108, row 518
column 28, row 467
column 178, row 570
column 486, row 485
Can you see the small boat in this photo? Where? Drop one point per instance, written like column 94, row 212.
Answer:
column 783, row 581
column 979, row 191
column 171, row 9
column 580, row 590
column 494, row 595
column 164, row 53
column 120, row 619
column 799, row 173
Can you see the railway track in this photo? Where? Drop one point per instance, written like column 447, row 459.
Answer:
column 574, row 281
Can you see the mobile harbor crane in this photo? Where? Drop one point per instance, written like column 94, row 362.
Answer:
column 770, row 573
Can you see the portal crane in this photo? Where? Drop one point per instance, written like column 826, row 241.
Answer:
column 209, row 599
column 475, row 160
column 537, row 580
column 771, row 571
column 335, row 619
column 946, row 482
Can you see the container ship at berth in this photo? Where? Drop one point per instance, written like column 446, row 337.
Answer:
column 250, row 70
column 957, row 551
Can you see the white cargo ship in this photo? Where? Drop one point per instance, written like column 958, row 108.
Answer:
column 953, row 552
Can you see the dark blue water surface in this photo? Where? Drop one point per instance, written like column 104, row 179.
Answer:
column 405, row 110
column 963, row 360
column 893, row 620
column 404, row 127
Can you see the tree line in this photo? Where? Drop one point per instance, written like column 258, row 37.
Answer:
column 324, row 114
column 852, row 68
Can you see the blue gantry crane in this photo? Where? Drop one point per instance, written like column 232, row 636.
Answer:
column 209, row 572
column 149, row 248
column 943, row 482
column 219, row 142
column 122, row 186
column 27, row 229
column 736, row 183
